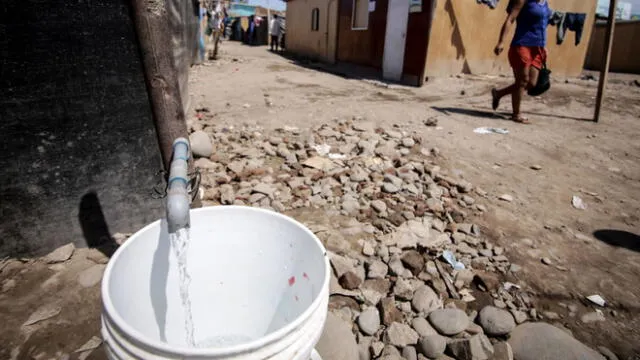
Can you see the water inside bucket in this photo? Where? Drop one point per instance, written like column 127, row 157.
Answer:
column 180, row 243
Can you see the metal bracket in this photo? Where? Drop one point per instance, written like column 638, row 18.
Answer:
column 160, row 189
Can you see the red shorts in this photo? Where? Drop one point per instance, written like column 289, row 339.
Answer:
column 525, row 56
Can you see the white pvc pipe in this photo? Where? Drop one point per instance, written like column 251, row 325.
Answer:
column 178, row 200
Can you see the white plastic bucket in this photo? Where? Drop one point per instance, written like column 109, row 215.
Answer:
column 255, row 275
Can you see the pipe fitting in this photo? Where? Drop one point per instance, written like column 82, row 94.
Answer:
column 178, row 200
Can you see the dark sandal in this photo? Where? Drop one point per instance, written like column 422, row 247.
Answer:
column 495, row 101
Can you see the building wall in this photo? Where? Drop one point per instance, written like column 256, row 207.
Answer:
column 78, row 148
column 301, row 40
column 362, row 47
column 625, row 53
column 417, row 41
column 464, row 34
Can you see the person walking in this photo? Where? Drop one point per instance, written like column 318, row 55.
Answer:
column 274, row 26
column 527, row 52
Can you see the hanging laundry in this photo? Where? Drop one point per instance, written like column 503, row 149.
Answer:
column 491, row 3
column 557, row 19
column 568, row 21
column 575, row 22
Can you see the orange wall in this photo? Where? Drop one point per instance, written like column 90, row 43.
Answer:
column 320, row 44
column 464, row 34
column 625, row 53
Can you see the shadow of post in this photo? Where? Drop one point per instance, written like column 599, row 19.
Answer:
column 94, row 225
column 619, row 238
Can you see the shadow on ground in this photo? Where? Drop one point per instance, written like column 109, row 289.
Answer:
column 94, row 225
column 499, row 115
column 619, row 238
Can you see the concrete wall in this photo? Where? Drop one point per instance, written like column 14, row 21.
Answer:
column 183, row 17
column 625, row 53
column 78, row 149
column 464, row 34
column 301, row 40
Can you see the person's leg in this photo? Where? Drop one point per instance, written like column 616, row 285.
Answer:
column 522, row 83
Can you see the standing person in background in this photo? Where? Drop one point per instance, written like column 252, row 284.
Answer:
column 527, row 52
column 274, row 26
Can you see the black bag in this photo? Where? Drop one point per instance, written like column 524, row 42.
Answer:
column 544, row 82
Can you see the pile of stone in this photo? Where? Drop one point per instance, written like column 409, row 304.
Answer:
column 408, row 290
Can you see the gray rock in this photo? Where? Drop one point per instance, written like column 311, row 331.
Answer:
column 592, row 317
column 413, row 261
column 390, row 312
column 350, row 206
column 535, row 341
column 403, row 289
column 350, row 280
column 408, row 142
column 607, row 353
column 359, row 175
column 425, row 300
column 337, row 341
column 496, row 322
column 379, row 206
column 390, row 352
column 364, row 346
column 264, row 189
column 201, row 145
column 409, row 353
column 550, row 315
column 401, row 335
column 519, row 316
column 369, row 321
column 368, row 249
column 91, row 276
column 43, row 313
column 61, row 254
column 449, row 321
column 477, row 347
column 432, row 346
column 422, row 327
column 390, row 188
column 395, row 264
column 341, row 264
column 435, row 205
column 502, row 351
column 377, row 270
column 376, row 348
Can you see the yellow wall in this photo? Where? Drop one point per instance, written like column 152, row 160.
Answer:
column 625, row 54
column 464, row 34
column 301, row 40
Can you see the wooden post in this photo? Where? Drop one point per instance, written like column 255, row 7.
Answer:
column 151, row 21
column 161, row 77
column 606, row 58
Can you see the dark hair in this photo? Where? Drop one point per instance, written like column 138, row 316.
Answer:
column 510, row 6
column 275, row 16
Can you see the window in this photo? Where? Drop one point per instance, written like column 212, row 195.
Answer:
column 315, row 19
column 360, row 15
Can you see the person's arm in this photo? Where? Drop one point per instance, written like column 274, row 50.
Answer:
column 508, row 24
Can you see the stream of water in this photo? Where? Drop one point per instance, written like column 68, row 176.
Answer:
column 180, row 244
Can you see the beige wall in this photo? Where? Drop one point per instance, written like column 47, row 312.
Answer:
column 625, row 54
column 301, row 40
column 464, row 33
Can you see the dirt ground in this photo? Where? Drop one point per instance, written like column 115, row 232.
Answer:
column 592, row 251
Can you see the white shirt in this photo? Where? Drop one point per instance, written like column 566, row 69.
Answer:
column 275, row 27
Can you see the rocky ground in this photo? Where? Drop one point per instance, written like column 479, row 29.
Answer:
column 444, row 243
column 413, row 275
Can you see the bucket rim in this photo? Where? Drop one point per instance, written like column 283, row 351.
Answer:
column 180, row 350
